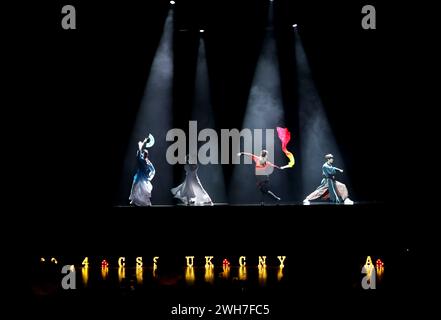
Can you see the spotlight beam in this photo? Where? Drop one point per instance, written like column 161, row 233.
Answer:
column 317, row 138
column 155, row 117
column 264, row 111
column 211, row 175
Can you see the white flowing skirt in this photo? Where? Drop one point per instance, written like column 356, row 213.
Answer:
column 141, row 193
column 191, row 192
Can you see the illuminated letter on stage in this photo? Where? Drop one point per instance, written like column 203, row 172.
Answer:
column 281, row 259
column 208, row 262
column 189, row 261
column 262, row 260
column 139, row 263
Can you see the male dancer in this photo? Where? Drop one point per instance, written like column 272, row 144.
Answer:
column 330, row 188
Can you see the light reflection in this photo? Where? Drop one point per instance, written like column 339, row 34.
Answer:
column 209, row 273
column 262, row 275
column 121, row 274
column 85, row 275
column 189, row 275
column 104, row 272
column 226, row 271
column 380, row 272
column 139, row 274
column 242, row 273
column 155, row 271
column 280, row 274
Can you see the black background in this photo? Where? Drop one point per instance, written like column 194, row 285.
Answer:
column 89, row 83
column 85, row 88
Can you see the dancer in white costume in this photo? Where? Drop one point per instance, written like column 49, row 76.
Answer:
column 191, row 192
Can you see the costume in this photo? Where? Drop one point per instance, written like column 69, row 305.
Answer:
column 262, row 176
column 285, row 136
column 330, row 188
column 142, row 187
column 191, row 192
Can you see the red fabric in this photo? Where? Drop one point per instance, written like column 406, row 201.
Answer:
column 284, row 136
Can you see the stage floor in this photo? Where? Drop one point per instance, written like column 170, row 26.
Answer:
column 281, row 204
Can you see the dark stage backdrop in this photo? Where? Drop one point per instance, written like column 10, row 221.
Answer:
column 87, row 87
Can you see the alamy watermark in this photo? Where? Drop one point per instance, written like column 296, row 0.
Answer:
column 215, row 150
column 69, row 18
column 369, row 20
column 69, row 280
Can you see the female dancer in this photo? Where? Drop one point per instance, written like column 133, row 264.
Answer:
column 262, row 175
column 330, row 188
column 191, row 192
column 142, row 186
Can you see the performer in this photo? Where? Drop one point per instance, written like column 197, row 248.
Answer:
column 191, row 192
column 262, row 177
column 330, row 188
column 142, row 186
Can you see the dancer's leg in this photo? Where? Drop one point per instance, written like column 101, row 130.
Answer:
column 273, row 195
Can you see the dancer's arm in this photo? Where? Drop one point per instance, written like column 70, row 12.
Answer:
column 253, row 156
column 246, row 154
column 139, row 151
column 256, row 159
column 141, row 144
column 144, row 142
column 330, row 170
column 274, row 166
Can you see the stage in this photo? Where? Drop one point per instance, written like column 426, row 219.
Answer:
column 243, row 110
column 267, row 204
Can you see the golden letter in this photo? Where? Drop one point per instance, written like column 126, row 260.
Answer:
column 281, row 259
column 189, row 261
column 262, row 260
column 208, row 262
column 155, row 262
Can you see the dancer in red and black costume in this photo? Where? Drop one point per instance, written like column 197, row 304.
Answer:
column 263, row 170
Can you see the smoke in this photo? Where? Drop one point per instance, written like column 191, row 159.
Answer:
column 264, row 111
column 210, row 175
column 155, row 117
column 316, row 136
